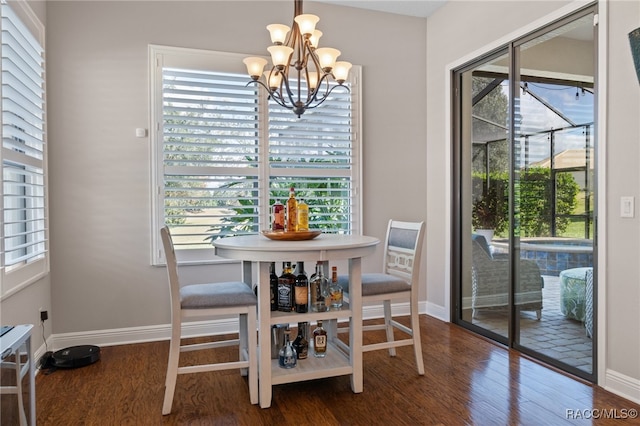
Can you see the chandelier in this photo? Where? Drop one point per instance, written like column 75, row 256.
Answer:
column 300, row 69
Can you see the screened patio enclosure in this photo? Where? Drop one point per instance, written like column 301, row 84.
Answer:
column 555, row 163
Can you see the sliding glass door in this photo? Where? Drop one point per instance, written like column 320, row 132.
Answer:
column 525, row 157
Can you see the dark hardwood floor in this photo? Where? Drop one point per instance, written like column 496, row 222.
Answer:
column 468, row 381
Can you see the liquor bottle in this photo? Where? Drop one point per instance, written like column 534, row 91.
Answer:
column 301, row 345
column 335, row 291
column 287, row 357
column 319, row 341
column 286, row 283
column 273, row 285
column 278, row 216
column 292, row 211
column 301, row 290
column 303, row 216
column 319, row 290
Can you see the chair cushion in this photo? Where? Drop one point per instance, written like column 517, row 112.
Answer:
column 376, row 284
column 217, row 295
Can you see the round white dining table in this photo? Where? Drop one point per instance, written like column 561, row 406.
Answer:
column 341, row 359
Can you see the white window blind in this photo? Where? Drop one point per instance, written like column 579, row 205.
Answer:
column 314, row 154
column 210, row 154
column 224, row 153
column 24, row 230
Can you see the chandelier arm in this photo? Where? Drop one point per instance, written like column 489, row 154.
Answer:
column 272, row 94
column 322, row 98
column 290, row 94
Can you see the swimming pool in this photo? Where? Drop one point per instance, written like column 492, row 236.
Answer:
column 553, row 255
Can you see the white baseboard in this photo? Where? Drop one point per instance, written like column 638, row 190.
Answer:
column 436, row 311
column 622, row 385
column 124, row 336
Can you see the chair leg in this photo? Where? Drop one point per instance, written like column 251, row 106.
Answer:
column 243, row 331
column 417, row 344
column 252, row 350
column 387, row 321
column 23, row 417
column 172, row 367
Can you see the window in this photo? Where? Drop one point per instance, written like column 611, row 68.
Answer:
column 24, row 246
column 224, row 153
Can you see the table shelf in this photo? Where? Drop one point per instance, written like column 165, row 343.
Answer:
column 335, row 363
column 278, row 317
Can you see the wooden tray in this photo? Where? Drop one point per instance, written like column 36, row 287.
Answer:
column 291, row 236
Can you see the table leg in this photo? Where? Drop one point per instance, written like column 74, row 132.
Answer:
column 264, row 335
column 247, row 273
column 355, row 333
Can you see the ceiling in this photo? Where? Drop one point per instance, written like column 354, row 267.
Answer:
column 419, row 8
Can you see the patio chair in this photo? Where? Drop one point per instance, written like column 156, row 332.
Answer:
column 490, row 281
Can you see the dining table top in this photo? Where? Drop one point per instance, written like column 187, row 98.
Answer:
column 258, row 247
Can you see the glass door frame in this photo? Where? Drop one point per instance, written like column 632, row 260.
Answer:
column 459, row 222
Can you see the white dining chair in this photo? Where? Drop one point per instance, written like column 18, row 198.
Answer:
column 207, row 301
column 397, row 283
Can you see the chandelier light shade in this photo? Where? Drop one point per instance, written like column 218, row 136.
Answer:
column 301, row 72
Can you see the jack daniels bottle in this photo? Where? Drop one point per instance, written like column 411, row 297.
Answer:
column 286, row 284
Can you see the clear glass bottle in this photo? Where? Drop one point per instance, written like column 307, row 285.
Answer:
column 303, row 216
column 319, row 290
column 292, row 211
column 335, row 291
column 286, row 284
column 319, row 341
column 301, row 290
column 301, row 345
column 278, row 216
column 287, row 357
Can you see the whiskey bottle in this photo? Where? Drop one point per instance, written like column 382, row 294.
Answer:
column 278, row 216
column 301, row 290
column 319, row 290
column 301, row 345
column 303, row 216
column 292, row 211
column 335, row 291
column 319, row 341
column 287, row 357
column 273, row 286
column 286, row 283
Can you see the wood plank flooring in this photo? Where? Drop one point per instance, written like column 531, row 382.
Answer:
column 468, row 381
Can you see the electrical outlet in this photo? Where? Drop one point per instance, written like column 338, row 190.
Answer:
column 44, row 315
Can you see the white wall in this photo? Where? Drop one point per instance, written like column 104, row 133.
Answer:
column 622, row 287
column 461, row 28
column 24, row 306
column 98, row 94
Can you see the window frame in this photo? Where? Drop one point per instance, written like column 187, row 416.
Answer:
column 166, row 56
column 14, row 278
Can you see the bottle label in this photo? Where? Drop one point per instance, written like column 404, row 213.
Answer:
column 302, row 295
column 320, row 342
column 287, row 361
column 284, row 296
